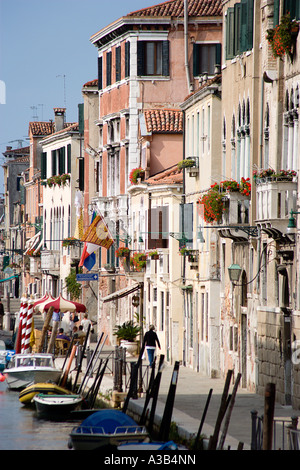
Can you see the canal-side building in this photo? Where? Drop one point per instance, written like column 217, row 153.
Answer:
column 150, row 59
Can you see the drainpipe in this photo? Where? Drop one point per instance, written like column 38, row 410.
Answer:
column 186, row 16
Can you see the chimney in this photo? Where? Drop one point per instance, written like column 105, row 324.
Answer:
column 60, row 116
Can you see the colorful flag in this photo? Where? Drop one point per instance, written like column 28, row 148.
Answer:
column 79, row 215
column 96, row 236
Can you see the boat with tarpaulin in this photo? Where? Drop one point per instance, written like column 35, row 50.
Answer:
column 107, row 427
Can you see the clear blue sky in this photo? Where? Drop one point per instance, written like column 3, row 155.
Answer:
column 42, row 41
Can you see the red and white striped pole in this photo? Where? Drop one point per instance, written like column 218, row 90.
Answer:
column 24, row 321
column 28, row 327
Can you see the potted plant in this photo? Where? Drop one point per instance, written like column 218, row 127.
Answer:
column 136, row 175
column 213, row 204
column 127, row 334
column 282, row 38
column 186, row 163
column 69, row 241
column 154, row 254
column 138, row 261
column 122, row 252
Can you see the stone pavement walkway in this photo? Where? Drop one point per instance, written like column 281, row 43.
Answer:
column 191, row 395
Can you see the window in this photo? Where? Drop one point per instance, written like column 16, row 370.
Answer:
column 153, row 58
column 291, row 6
column 108, row 68
column 127, row 59
column 118, row 64
column 44, row 166
column 205, row 58
column 186, row 224
column 100, row 72
column 158, row 223
column 239, row 28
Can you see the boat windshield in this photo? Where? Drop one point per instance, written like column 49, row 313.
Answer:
column 32, row 361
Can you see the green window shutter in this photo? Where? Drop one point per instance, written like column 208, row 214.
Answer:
column 196, row 61
column 250, row 19
column 218, row 59
column 53, row 162
column 108, row 68
column 237, row 28
column 118, row 64
column 81, row 118
column 276, row 13
column 81, row 174
column 165, row 58
column 230, row 33
column 44, row 166
column 100, row 74
column 140, row 58
column 61, row 156
column 69, row 157
column 186, row 225
column 127, row 59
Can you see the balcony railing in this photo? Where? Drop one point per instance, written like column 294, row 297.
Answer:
column 275, row 200
column 50, row 261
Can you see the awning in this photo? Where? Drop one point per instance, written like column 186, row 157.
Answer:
column 120, row 293
column 31, row 243
column 8, row 278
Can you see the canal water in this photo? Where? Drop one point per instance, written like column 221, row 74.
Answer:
column 20, row 429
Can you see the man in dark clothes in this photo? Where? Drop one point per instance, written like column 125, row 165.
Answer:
column 1, row 315
column 150, row 341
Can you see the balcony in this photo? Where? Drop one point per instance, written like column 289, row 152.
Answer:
column 35, row 266
column 275, row 199
column 236, row 216
column 50, row 261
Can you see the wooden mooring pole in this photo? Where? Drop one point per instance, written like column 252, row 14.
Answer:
column 270, row 391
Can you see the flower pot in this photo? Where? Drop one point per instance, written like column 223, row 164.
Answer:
column 131, row 347
column 154, row 256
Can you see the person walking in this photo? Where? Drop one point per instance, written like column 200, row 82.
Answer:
column 150, row 341
column 85, row 324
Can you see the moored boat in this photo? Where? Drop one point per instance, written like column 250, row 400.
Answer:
column 26, row 396
column 25, row 369
column 107, row 427
column 56, row 407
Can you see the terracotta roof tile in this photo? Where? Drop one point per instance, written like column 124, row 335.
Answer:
column 41, row 128
column 215, row 79
column 91, row 83
column 172, row 175
column 47, row 128
column 163, row 120
column 19, row 151
column 175, row 8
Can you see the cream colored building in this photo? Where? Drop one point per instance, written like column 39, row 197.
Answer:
column 60, row 152
column 202, row 111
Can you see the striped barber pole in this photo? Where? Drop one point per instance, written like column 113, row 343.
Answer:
column 18, row 342
column 23, row 326
column 28, row 329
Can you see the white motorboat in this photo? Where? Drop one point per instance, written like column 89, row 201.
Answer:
column 25, row 369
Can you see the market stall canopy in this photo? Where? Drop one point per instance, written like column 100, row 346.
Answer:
column 38, row 306
column 63, row 305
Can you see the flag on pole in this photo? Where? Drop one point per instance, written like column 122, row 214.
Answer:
column 96, row 236
column 79, row 215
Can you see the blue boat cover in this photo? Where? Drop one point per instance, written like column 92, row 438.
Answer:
column 109, row 420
